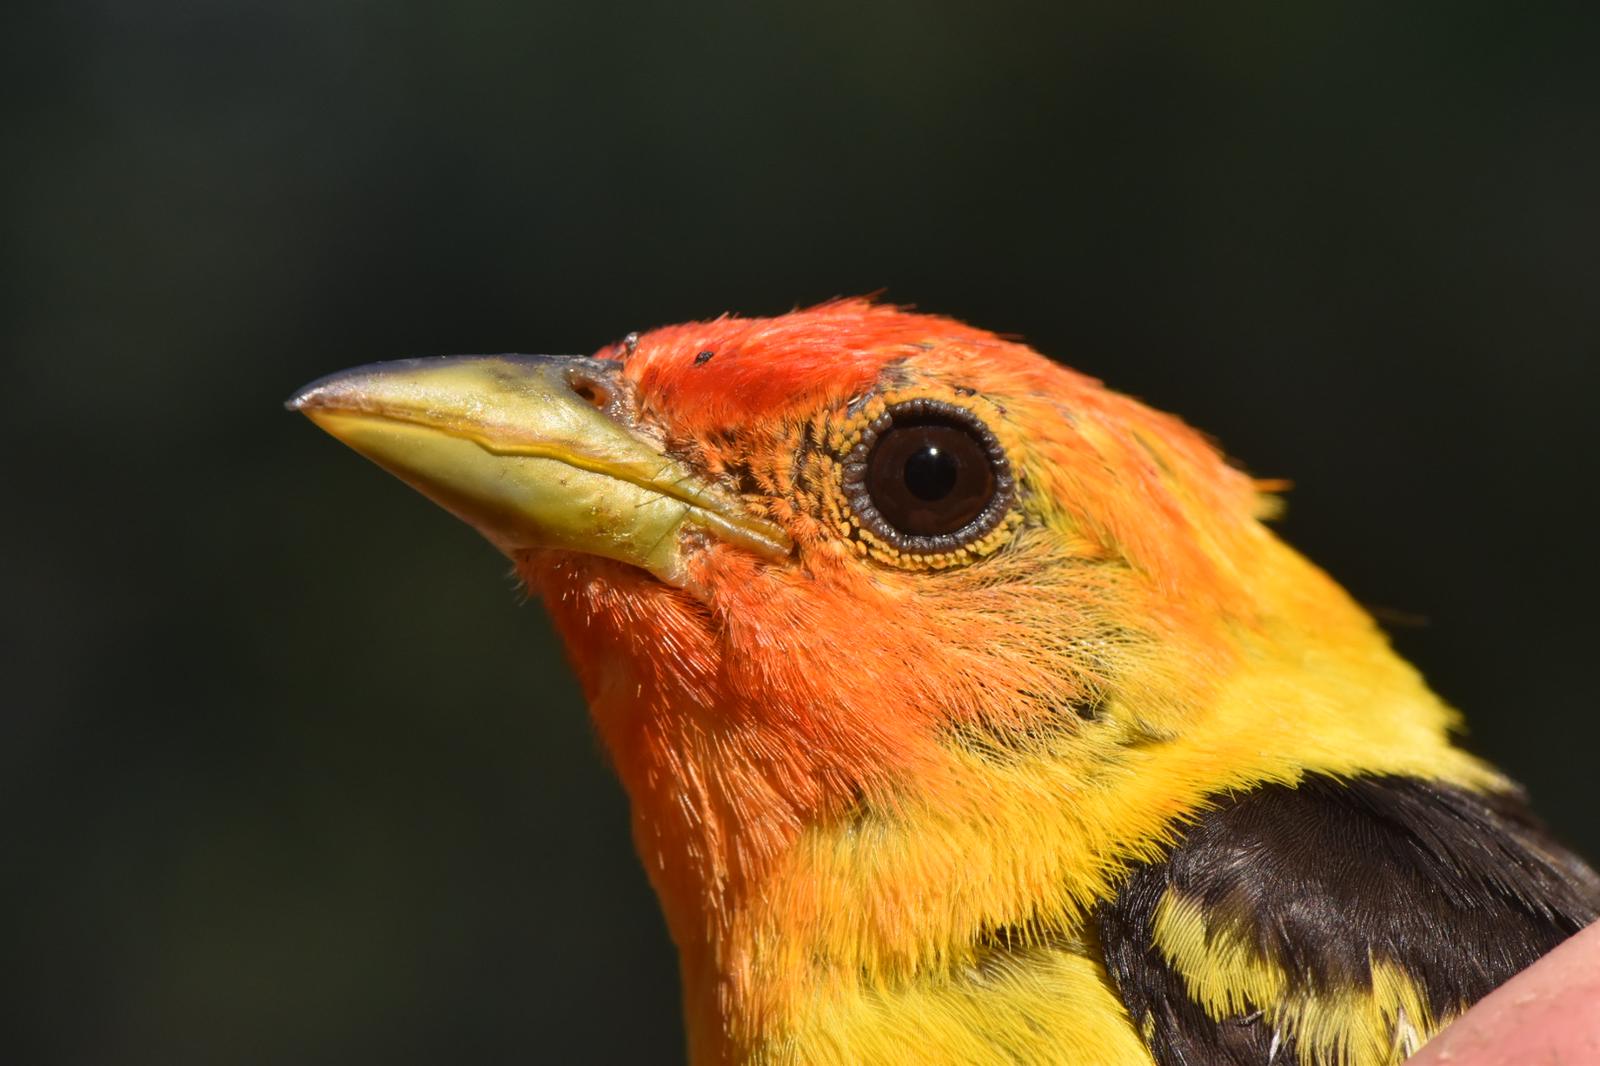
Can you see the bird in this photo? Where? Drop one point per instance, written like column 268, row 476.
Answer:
column 972, row 712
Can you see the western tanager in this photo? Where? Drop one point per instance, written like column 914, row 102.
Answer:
column 968, row 711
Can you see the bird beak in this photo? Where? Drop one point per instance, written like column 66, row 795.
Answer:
column 534, row 452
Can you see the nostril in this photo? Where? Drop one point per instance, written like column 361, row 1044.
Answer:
column 591, row 391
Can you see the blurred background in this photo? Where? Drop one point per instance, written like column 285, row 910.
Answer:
column 288, row 774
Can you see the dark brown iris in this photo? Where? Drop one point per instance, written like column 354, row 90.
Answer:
column 928, row 477
column 929, row 480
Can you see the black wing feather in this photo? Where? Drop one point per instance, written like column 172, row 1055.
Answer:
column 1460, row 889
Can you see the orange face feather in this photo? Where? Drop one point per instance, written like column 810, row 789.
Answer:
column 849, row 762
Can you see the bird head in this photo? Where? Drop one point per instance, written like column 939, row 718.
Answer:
column 897, row 632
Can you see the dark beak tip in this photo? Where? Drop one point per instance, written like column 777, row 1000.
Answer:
column 307, row 397
column 309, row 394
column 343, row 386
column 318, row 393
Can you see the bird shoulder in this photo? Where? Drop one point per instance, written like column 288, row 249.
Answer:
column 1338, row 923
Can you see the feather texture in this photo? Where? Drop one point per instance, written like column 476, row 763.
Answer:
column 1109, row 776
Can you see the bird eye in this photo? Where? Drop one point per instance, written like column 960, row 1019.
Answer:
column 928, row 477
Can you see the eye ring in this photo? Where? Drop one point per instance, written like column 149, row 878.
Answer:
column 927, row 477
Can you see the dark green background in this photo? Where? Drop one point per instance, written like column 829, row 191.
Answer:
column 287, row 775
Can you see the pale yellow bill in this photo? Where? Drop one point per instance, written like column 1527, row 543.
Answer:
column 534, row 452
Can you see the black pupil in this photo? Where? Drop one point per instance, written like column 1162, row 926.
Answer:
column 931, row 473
column 930, row 478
